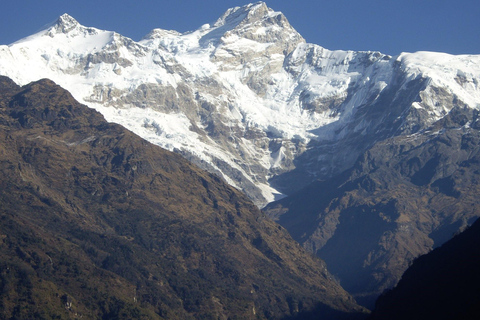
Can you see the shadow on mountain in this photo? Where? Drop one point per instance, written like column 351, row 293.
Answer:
column 403, row 197
column 442, row 284
column 322, row 311
column 338, row 145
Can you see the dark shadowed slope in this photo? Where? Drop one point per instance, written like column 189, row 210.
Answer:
column 98, row 223
column 443, row 284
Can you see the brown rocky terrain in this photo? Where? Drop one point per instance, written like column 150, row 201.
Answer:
column 98, row 223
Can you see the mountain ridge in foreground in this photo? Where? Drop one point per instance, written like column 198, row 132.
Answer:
column 98, row 223
column 442, row 284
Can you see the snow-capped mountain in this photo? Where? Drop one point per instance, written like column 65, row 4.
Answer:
column 245, row 96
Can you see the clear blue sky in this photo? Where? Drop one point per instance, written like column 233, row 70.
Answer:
column 388, row 26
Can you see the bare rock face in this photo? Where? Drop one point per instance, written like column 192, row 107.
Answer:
column 99, row 223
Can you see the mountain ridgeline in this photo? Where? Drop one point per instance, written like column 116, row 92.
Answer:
column 245, row 96
column 98, row 223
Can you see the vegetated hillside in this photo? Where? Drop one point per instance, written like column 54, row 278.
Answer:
column 442, row 284
column 405, row 196
column 98, row 223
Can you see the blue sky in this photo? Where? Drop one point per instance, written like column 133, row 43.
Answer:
column 387, row 26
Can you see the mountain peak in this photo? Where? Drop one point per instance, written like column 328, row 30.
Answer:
column 246, row 14
column 65, row 23
column 259, row 23
column 258, row 9
column 68, row 25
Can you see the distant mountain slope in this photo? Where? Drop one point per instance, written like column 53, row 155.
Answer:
column 442, row 284
column 404, row 196
column 98, row 223
column 245, row 97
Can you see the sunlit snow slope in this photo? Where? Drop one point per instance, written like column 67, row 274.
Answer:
column 246, row 97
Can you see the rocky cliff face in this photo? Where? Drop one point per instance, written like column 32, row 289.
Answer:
column 245, row 97
column 99, row 223
column 404, row 196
